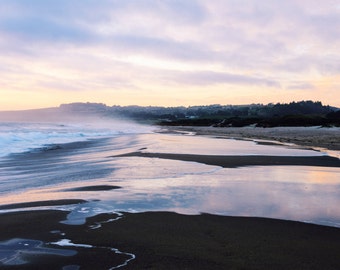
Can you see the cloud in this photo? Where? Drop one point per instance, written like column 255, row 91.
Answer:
column 53, row 44
column 209, row 78
column 43, row 30
column 301, row 86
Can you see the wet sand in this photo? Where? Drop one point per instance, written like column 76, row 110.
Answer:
column 93, row 188
column 163, row 240
column 40, row 203
column 239, row 161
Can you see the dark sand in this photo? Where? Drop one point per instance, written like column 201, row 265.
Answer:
column 40, row 203
column 93, row 188
column 239, row 161
column 162, row 240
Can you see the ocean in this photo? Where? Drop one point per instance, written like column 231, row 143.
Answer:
column 43, row 161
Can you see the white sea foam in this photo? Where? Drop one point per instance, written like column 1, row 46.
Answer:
column 18, row 137
column 68, row 243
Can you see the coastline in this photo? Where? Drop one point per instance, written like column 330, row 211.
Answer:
column 166, row 240
column 315, row 137
column 240, row 161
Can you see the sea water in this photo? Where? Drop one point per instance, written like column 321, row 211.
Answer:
column 18, row 137
column 34, row 169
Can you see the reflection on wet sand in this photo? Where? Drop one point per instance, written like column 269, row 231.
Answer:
column 91, row 188
column 149, row 182
column 17, row 251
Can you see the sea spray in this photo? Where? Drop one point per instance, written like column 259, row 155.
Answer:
column 18, row 137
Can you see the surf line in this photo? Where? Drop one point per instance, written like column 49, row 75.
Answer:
column 98, row 224
column 68, row 243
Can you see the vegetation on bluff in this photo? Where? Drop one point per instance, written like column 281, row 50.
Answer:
column 303, row 113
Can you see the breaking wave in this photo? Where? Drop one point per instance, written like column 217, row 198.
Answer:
column 18, row 137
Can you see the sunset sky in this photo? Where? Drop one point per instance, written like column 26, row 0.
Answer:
column 168, row 52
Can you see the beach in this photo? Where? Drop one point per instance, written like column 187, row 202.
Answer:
column 318, row 137
column 185, row 198
column 164, row 240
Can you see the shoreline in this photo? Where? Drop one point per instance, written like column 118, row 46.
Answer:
column 240, row 161
column 315, row 137
column 166, row 240
column 14, row 206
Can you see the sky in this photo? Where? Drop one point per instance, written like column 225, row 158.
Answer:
column 168, row 52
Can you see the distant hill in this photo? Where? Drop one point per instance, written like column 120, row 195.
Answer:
column 303, row 113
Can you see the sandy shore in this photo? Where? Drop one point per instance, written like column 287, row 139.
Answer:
column 328, row 138
column 239, row 161
column 162, row 240
column 40, row 203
